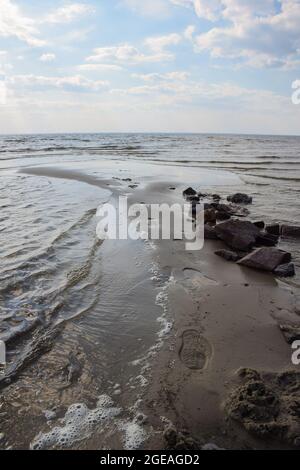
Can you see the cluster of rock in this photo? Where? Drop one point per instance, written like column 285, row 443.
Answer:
column 251, row 244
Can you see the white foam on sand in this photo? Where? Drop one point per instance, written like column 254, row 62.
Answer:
column 134, row 434
column 80, row 422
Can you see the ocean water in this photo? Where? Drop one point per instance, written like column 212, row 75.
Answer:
column 61, row 288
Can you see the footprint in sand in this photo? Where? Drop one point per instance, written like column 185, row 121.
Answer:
column 195, row 351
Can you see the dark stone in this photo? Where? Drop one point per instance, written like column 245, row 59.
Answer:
column 290, row 231
column 216, row 197
column 194, row 199
column 210, row 216
column 238, row 234
column 207, row 205
column 266, row 239
column 210, row 232
column 273, row 229
column 228, row 255
column 266, row 259
column 240, row 198
column 189, row 192
column 285, row 270
column 221, row 215
column 260, row 224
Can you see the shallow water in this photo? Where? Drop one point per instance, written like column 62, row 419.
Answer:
column 108, row 302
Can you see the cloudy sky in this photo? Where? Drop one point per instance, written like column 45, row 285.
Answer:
column 149, row 65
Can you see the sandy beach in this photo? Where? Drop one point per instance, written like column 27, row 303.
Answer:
column 165, row 346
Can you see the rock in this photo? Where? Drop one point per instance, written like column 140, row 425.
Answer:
column 228, row 255
column 266, row 259
column 260, row 224
column 285, row 270
column 290, row 332
column 216, row 197
column 273, row 229
column 194, row 199
column 2, row 436
column 187, row 193
column 238, row 234
column 290, row 231
column 210, row 232
column 267, row 239
column 210, row 216
column 240, row 198
column 170, row 436
column 221, row 215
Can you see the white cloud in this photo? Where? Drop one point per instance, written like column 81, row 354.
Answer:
column 100, row 67
column 157, row 50
column 69, row 13
column 76, row 82
column 13, row 23
column 154, row 8
column 208, row 9
column 159, row 43
column 47, row 57
column 170, row 76
column 256, row 33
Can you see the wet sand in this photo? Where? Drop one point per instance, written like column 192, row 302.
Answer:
column 224, row 317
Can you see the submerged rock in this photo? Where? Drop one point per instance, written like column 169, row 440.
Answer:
column 240, row 198
column 290, row 231
column 273, row 229
column 260, row 224
column 285, row 270
column 266, row 259
column 239, row 235
column 228, row 255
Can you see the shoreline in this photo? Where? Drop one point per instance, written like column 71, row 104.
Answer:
column 223, row 313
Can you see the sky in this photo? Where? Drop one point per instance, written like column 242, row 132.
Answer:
column 221, row 66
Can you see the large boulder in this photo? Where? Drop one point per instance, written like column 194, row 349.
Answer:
column 240, row 198
column 238, row 234
column 290, row 231
column 266, row 259
column 285, row 270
